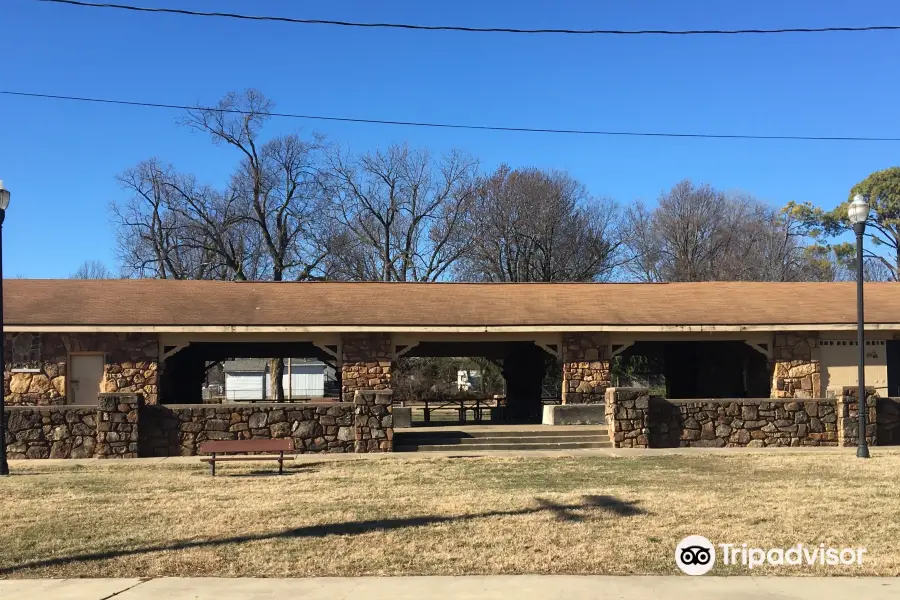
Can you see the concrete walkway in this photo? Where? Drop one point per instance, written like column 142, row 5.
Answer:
column 520, row 587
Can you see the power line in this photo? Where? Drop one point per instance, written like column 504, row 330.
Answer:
column 463, row 125
column 460, row 28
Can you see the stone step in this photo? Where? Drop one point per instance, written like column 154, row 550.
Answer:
column 519, row 439
column 487, row 432
column 544, row 445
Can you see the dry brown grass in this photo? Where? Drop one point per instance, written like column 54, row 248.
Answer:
column 443, row 516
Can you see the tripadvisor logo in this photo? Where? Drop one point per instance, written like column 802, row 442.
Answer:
column 696, row 555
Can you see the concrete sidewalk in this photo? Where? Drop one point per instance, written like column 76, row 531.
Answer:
column 520, row 587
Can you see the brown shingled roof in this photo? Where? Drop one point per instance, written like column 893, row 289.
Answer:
column 72, row 302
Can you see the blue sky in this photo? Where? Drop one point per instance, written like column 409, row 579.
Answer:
column 60, row 159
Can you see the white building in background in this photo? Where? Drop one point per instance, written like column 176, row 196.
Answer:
column 468, row 381
column 248, row 379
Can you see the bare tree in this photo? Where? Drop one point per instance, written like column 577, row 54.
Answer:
column 276, row 188
column 173, row 228
column 92, row 269
column 701, row 234
column 404, row 214
column 533, row 225
column 265, row 223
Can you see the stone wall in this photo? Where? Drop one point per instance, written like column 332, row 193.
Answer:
column 795, row 366
column 131, row 366
column 753, row 423
column 374, row 423
column 888, row 427
column 628, row 417
column 366, row 363
column 585, row 368
column 848, row 418
column 171, row 430
column 117, row 425
column 51, row 432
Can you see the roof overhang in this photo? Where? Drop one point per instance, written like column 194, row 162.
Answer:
column 773, row 328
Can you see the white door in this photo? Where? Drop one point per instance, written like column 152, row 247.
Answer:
column 246, row 385
column 308, row 381
column 85, row 375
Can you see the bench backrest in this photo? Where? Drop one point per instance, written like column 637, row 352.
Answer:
column 276, row 445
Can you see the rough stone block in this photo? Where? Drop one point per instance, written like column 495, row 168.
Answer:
column 568, row 414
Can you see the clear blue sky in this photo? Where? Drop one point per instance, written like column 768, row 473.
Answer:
column 60, row 159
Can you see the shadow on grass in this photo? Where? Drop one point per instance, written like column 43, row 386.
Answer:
column 564, row 512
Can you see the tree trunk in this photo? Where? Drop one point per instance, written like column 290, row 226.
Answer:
column 276, row 373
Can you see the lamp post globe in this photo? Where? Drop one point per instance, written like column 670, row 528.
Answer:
column 4, row 465
column 4, row 196
column 859, row 210
column 858, row 213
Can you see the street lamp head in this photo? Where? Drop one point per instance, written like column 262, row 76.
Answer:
column 859, row 210
column 4, row 196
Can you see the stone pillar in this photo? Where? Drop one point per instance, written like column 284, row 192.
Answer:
column 795, row 366
column 373, row 421
column 585, row 368
column 366, row 362
column 132, row 365
column 628, row 417
column 117, row 425
column 848, row 417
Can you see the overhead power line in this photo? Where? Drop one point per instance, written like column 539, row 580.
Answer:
column 659, row 134
column 460, row 28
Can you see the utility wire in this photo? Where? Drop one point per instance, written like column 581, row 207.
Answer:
column 462, row 125
column 194, row 13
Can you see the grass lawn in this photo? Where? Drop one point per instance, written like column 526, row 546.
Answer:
column 594, row 515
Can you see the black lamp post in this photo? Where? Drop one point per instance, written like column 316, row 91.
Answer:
column 4, row 466
column 859, row 214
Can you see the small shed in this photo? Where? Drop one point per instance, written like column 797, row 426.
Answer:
column 248, row 379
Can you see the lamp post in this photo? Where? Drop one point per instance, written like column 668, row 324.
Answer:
column 4, row 466
column 859, row 214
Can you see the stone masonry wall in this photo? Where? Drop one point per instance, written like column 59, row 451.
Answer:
column 131, row 366
column 50, row 432
column 366, row 363
column 848, row 418
column 374, row 421
column 888, row 413
column 170, row 430
column 795, row 366
column 628, row 417
column 117, row 425
column 585, row 368
column 753, row 423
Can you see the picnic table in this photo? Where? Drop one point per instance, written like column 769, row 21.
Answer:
column 493, row 405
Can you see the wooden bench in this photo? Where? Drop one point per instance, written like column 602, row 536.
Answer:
column 280, row 446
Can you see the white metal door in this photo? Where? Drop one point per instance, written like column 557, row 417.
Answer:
column 85, row 375
column 246, row 385
column 308, row 381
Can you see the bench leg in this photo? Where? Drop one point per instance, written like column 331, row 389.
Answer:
column 281, row 463
column 212, row 464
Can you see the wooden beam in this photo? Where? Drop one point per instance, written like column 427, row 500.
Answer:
column 764, row 349
column 771, row 328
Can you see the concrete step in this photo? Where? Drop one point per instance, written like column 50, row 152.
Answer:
column 488, row 432
column 545, row 445
column 519, row 439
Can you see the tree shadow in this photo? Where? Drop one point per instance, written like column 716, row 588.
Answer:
column 616, row 507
